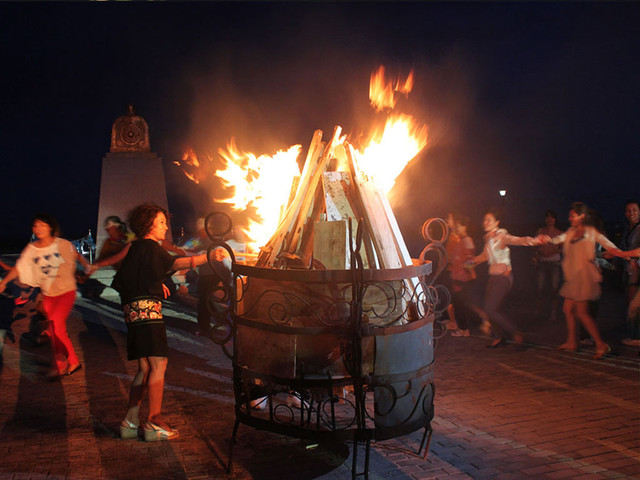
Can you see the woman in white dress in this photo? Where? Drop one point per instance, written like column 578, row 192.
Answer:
column 581, row 277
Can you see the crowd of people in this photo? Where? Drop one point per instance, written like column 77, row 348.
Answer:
column 567, row 267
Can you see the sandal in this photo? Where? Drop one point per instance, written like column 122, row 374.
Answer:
column 153, row 432
column 128, row 430
column 601, row 352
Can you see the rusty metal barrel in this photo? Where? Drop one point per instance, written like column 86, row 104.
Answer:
column 318, row 355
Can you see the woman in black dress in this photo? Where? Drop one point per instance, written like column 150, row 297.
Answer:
column 139, row 282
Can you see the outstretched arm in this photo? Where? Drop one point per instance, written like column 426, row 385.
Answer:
column 112, row 260
column 12, row 275
column 608, row 245
column 525, row 241
column 182, row 263
column 480, row 258
column 619, row 253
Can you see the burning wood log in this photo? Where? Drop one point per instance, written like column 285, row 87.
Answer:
column 341, row 203
column 270, row 251
column 286, row 241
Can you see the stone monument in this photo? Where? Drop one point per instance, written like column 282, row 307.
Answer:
column 131, row 172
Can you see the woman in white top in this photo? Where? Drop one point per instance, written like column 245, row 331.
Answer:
column 581, row 277
column 496, row 252
column 49, row 262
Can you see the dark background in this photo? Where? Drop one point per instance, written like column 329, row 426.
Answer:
column 540, row 99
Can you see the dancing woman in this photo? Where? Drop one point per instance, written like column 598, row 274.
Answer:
column 497, row 254
column 139, row 282
column 49, row 262
column 581, row 277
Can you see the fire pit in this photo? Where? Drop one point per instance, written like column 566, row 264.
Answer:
column 329, row 353
column 330, row 327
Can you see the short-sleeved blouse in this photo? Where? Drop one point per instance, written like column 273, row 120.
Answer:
column 52, row 268
column 142, row 271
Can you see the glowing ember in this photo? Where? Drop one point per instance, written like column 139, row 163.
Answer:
column 263, row 183
column 382, row 92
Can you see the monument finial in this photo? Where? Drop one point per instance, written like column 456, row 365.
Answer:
column 130, row 133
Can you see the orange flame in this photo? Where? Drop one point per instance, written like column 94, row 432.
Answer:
column 388, row 154
column 190, row 160
column 382, row 92
column 263, row 183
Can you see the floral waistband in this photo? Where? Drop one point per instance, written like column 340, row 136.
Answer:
column 146, row 310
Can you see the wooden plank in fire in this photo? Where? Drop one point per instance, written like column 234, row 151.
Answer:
column 304, row 250
column 417, row 287
column 331, row 245
column 273, row 247
column 374, row 216
column 382, row 233
column 307, row 215
column 388, row 239
column 341, row 203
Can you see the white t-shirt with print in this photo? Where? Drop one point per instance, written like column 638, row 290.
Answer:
column 52, row 268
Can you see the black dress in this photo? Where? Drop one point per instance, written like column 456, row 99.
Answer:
column 139, row 282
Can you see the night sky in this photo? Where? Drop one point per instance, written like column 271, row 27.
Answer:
column 540, row 99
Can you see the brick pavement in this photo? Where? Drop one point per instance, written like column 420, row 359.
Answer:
column 500, row 414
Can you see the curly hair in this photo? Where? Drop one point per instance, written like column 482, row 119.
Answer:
column 141, row 218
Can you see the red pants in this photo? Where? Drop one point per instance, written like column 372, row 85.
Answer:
column 58, row 309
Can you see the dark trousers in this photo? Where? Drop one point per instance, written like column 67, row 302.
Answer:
column 498, row 286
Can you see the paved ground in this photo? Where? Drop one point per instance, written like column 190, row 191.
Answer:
column 500, row 414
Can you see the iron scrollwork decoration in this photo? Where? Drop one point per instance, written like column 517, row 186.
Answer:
column 339, row 355
column 220, row 257
column 435, row 251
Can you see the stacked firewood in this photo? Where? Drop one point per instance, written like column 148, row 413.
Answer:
column 313, row 232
